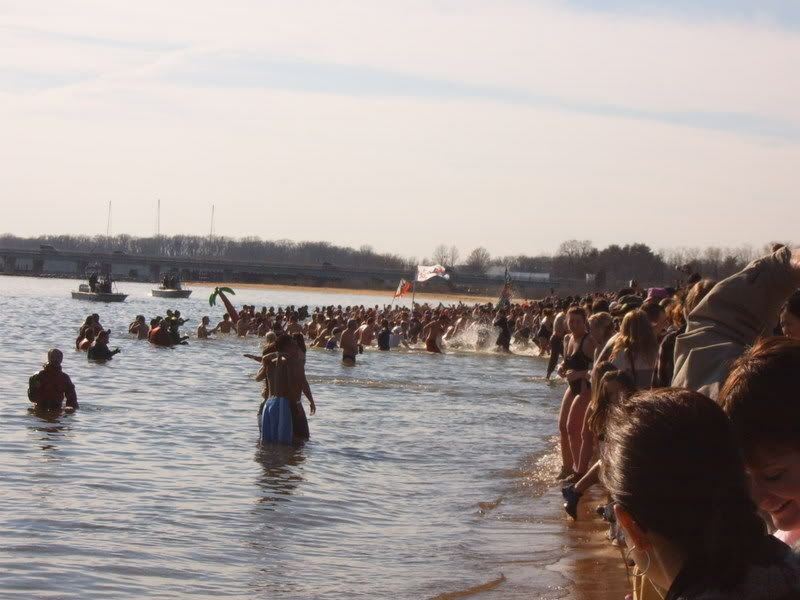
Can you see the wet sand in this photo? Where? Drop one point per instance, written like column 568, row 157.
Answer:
column 300, row 289
column 564, row 559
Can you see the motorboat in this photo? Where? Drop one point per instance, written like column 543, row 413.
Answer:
column 85, row 293
column 163, row 292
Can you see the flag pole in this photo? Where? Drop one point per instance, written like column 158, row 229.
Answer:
column 413, row 290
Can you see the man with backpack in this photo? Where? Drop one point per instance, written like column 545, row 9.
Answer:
column 48, row 388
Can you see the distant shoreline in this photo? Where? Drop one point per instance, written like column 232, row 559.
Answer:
column 467, row 298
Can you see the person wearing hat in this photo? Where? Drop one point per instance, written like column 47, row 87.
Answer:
column 48, row 388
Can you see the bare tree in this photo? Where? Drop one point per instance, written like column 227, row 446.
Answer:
column 453, row 257
column 478, row 260
column 440, row 254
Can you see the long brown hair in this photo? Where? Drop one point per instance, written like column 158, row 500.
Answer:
column 602, row 400
column 636, row 337
column 670, row 459
column 760, row 394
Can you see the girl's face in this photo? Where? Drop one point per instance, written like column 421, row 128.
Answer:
column 775, row 484
column 598, row 335
column 790, row 325
column 576, row 324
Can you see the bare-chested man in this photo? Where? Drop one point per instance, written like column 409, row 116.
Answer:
column 366, row 333
column 243, row 325
column 202, row 330
column 226, row 325
column 433, row 332
column 349, row 343
column 284, row 377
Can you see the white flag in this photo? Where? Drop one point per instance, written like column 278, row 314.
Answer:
column 425, row 272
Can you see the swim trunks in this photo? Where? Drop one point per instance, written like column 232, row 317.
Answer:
column 276, row 421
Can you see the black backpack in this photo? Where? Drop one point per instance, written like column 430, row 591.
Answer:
column 34, row 386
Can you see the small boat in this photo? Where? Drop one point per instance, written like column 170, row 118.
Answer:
column 85, row 293
column 163, row 292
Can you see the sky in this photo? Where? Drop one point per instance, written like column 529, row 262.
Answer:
column 512, row 125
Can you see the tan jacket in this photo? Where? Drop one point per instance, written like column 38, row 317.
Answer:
column 729, row 319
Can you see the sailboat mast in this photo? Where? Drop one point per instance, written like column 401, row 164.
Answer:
column 212, row 220
column 108, row 221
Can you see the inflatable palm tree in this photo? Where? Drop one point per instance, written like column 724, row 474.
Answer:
column 221, row 291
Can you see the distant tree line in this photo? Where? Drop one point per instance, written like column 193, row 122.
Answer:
column 574, row 259
column 192, row 246
column 613, row 265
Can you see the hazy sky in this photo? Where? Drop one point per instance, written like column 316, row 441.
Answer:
column 509, row 124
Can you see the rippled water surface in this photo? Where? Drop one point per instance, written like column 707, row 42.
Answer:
column 421, row 476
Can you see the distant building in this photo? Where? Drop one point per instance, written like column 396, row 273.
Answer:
column 499, row 272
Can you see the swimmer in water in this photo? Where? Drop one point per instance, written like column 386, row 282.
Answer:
column 139, row 328
column 99, row 350
column 433, row 332
column 349, row 343
column 50, row 386
column 225, row 326
column 202, row 330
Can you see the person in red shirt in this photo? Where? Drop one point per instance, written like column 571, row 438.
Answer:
column 50, row 386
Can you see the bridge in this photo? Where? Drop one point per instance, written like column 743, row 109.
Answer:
column 137, row 267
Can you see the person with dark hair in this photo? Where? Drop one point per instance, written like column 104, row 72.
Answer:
column 609, row 386
column 665, row 363
column 557, row 340
column 48, row 388
column 760, row 399
column 99, row 350
column 503, row 341
column 384, row 336
column 275, row 413
column 790, row 316
column 578, row 356
column 684, row 505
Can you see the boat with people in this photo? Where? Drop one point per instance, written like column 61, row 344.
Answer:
column 170, row 293
column 170, row 288
column 99, row 289
column 85, row 293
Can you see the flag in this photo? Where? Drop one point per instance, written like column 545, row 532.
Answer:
column 403, row 288
column 425, row 272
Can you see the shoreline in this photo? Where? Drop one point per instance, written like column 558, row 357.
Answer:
column 466, row 298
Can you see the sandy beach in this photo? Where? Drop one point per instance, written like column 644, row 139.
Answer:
column 420, row 296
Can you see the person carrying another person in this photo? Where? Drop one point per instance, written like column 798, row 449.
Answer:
column 48, row 388
column 139, row 328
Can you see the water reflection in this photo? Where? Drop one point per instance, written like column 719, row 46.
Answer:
column 52, row 424
column 280, row 476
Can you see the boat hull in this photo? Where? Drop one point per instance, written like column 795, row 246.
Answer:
column 159, row 293
column 98, row 297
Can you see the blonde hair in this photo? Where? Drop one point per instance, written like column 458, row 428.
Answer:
column 604, row 321
column 636, row 337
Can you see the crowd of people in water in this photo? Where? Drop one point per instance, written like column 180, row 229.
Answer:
column 680, row 403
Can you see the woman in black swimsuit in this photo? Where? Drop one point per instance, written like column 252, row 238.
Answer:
column 578, row 352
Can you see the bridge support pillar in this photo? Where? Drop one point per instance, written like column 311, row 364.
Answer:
column 80, row 268
column 9, row 264
column 155, row 272
column 38, row 266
